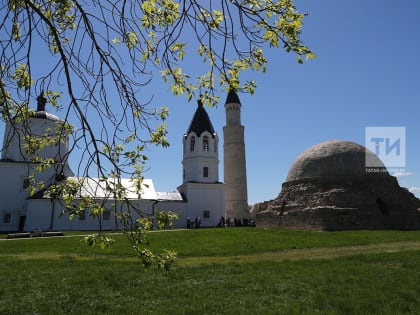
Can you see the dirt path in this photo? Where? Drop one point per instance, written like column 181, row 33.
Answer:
column 306, row 253
column 292, row 254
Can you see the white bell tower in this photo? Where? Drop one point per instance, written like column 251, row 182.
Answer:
column 201, row 156
column 201, row 187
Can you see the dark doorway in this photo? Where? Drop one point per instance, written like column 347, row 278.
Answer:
column 382, row 206
column 22, row 220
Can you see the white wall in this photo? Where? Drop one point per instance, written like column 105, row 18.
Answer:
column 12, row 193
column 178, row 207
column 204, row 197
column 194, row 161
column 40, row 210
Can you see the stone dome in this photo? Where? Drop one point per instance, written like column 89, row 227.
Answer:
column 334, row 158
column 329, row 187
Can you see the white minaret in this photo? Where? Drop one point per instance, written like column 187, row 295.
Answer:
column 201, row 187
column 236, row 195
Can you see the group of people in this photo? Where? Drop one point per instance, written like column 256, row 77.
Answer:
column 228, row 223
column 196, row 223
column 191, row 224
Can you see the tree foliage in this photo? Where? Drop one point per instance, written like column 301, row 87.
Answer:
column 95, row 59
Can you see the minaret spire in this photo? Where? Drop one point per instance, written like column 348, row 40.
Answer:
column 236, row 194
column 232, row 97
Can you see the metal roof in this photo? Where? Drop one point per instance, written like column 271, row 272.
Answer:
column 201, row 122
column 232, row 98
column 169, row 196
column 102, row 189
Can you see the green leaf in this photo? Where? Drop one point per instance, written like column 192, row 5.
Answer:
column 310, row 55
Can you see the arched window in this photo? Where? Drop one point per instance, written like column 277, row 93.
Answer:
column 205, row 143
column 192, row 144
column 205, row 171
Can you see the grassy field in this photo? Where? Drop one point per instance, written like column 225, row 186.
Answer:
column 219, row 271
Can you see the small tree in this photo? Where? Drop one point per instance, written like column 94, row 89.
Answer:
column 101, row 55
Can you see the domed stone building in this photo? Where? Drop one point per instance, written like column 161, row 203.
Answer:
column 328, row 187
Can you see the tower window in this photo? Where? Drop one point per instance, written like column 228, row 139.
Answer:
column 205, row 143
column 205, row 171
column 206, row 214
column 192, row 144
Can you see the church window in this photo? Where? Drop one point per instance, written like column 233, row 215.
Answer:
column 106, row 215
column 192, row 144
column 7, row 217
column 206, row 214
column 205, row 143
column 26, row 183
column 205, row 171
column 82, row 215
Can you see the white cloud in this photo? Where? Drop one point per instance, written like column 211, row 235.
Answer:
column 400, row 174
column 414, row 190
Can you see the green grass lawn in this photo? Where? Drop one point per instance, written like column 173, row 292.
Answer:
column 219, row 271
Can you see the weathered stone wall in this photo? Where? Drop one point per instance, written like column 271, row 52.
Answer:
column 371, row 201
column 258, row 207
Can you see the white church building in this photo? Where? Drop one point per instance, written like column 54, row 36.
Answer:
column 201, row 194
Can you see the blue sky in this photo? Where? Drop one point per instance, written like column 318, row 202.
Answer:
column 367, row 74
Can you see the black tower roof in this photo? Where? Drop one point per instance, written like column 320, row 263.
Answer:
column 232, row 97
column 201, row 122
